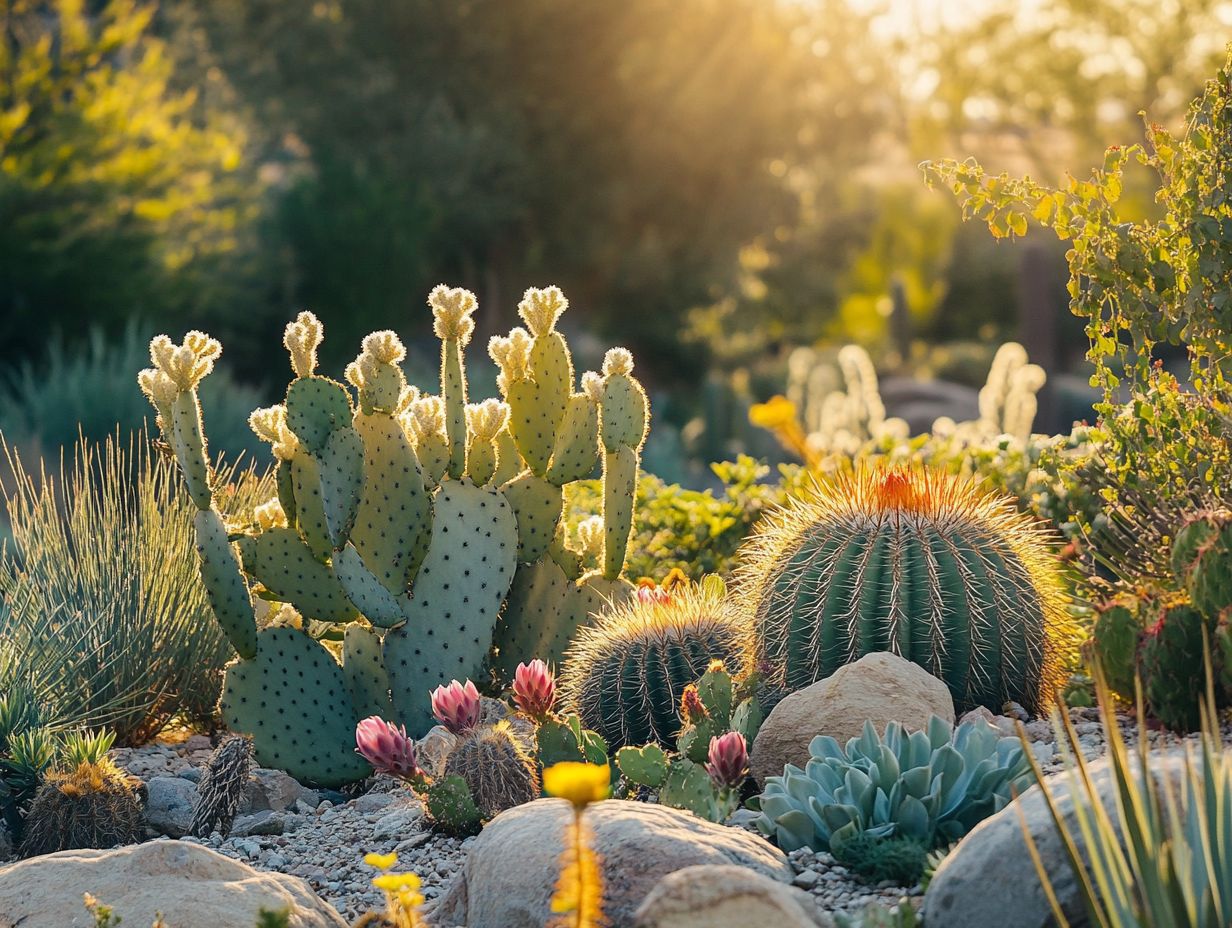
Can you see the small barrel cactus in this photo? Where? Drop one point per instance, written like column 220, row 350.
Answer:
column 95, row 805
column 1114, row 643
column 497, row 767
column 625, row 675
column 916, row 562
column 222, row 786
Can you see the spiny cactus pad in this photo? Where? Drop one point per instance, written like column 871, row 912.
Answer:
column 283, row 564
column 529, row 627
column 379, row 606
column 293, row 700
column 456, row 597
column 576, row 454
column 224, row 583
column 920, row 563
column 309, row 506
column 364, row 668
column 537, row 506
column 341, row 470
column 315, row 407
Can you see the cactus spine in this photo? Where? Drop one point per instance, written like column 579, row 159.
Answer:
column 915, row 562
column 411, row 512
column 94, row 805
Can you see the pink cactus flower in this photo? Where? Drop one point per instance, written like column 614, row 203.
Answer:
column 457, row 706
column 387, row 748
column 534, row 689
column 648, row 593
column 729, row 760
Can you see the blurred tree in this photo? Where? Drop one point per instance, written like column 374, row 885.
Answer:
column 118, row 193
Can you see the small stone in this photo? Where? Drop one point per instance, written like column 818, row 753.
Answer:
column 169, row 805
column 806, row 879
column 192, row 774
column 396, row 824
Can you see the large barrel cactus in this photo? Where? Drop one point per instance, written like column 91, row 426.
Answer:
column 624, row 675
column 402, row 522
column 920, row 563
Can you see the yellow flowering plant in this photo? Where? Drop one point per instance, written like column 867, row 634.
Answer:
column 578, row 900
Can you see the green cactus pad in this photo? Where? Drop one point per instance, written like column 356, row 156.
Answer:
column 456, row 597
column 531, row 424
column 509, row 461
column 364, row 589
column 688, row 787
column 451, row 808
column 619, row 492
column 284, row 478
column 283, row 564
column 481, row 461
column 309, row 506
column 292, row 699
column 363, row 666
column 453, row 392
column 1202, row 558
column 1114, row 645
column 1171, row 661
column 190, row 447
column 595, row 592
column 577, row 442
column 537, row 505
column 394, row 523
column 567, row 559
column 552, row 368
column 562, row 738
column 530, row 625
column 623, row 414
column 645, row 766
column 224, row 583
column 341, row 469
column 432, row 451
column 315, row 407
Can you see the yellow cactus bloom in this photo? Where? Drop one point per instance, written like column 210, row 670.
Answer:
column 486, row 419
column 302, row 338
column 512, row 356
column 579, row 783
column 396, row 882
column 774, row 414
column 381, row 861
column 452, row 308
column 592, row 385
column 540, row 309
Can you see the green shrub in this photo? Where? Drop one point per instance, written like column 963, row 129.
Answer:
column 104, row 615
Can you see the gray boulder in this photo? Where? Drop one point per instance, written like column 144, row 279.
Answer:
column 989, row 878
column 169, row 805
column 727, row 896
column 511, row 871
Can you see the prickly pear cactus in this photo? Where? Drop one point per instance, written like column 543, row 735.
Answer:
column 1171, row 662
column 1202, row 560
column 402, row 523
column 1114, row 644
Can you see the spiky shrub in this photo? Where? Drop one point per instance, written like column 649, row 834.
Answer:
column 624, row 676
column 223, row 784
column 919, row 563
column 497, row 767
column 900, row 860
column 99, row 600
column 27, row 757
column 93, row 805
column 427, row 516
column 932, row 786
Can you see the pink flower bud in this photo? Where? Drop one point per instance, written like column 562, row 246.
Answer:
column 387, row 748
column 534, row 689
column 692, row 709
column 729, row 760
column 457, row 706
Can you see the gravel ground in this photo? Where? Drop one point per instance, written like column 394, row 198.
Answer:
column 323, row 840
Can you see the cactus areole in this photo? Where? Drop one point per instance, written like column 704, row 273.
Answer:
column 919, row 563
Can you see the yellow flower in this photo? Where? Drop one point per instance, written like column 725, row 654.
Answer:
column 396, row 882
column 581, row 784
column 381, row 861
column 777, row 413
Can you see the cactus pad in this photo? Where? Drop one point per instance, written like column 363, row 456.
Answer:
column 293, row 700
column 341, row 470
column 362, row 587
column 309, row 506
column 315, row 407
column 284, row 565
column 456, row 597
column 364, row 669
column 224, row 583
column 394, row 522
column 619, row 490
column 537, row 505
column 531, row 624
column 190, row 447
column 577, row 442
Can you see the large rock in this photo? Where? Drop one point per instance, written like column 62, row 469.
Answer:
column 880, row 687
column 192, row 886
column 275, row 791
column 995, row 854
column 512, row 867
column 727, row 896
column 169, row 805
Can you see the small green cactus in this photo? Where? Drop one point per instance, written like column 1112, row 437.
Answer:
column 1114, row 644
column 223, row 785
column 450, row 807
column 94, row 805
column 625, row 675
column 497, row 768
column 405, row 519
column 1172, row 664
column 1202, row 559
